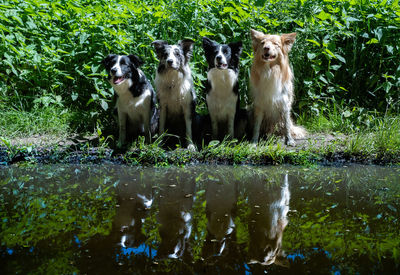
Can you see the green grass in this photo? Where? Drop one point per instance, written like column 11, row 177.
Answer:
column 42, row 121
column 380, row 145
column 387, row 135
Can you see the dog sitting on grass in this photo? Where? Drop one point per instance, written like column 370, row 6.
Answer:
column 136, row 105
column 271, row 81
column 175, row 91
column 222, row 86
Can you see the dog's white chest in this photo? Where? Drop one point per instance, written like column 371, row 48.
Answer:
column 221, row 98
column 270, row 91
column 135, row 107
column 222, row 80
column 174, row 90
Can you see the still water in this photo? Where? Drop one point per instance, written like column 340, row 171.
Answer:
column 112, row 219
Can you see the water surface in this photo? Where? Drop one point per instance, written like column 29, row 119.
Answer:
column 65, row 219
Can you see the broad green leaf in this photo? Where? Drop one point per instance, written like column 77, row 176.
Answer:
column 205, row 32
column 104, row 104
column 323, row 15
column 372, row 41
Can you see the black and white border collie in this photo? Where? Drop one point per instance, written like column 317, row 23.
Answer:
column 136, row 100
column 175, row 91
column 222, row 87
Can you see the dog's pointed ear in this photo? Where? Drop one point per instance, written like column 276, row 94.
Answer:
column 256, row 38
column 135, row 60
column 288, row 40
column 236, row 48
column 207, row 43
column 106, row 61
column 159, row 46
column 187, row 48
column 256, row 35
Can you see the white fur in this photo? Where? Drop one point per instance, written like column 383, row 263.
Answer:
column 117, row 66
column 272, row 90
column 270, row 222
column 133, row 110
column 223, row 57
column 221, row 100
column 172, row 56
column 271, row 96
column 279, row 210
column 174, row 90
column 272, row 101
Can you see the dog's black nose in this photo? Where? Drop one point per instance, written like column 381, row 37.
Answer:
column 266, row 48
column 113, row 70
column 219, row 58
column 170, row 61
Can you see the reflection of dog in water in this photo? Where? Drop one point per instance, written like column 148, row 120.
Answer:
column 134, row 200
column 268, row 219
column 175, row 218
column 220, row 210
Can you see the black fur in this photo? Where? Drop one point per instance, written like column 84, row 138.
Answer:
column 216, row 55
column 175, row 57
column 129, row 65
column 231, row 51
column 183, row 53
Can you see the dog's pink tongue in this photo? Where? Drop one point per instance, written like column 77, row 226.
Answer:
column 118, row 80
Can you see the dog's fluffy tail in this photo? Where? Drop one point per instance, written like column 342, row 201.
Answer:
column 298, row 132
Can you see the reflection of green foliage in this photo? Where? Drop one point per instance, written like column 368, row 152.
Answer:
column 58, row 264
column 340, row 215
column 54, row 210
column 41, row 212
column 242, row 233
column 199, row 232
column 150, row 228
column 342, row 218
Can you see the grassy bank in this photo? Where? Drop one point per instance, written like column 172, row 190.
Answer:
column 380, row 145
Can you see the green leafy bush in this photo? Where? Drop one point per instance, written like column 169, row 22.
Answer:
column 347, row 52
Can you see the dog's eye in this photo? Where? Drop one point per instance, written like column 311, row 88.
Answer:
column 225, row 51
column 176, row 52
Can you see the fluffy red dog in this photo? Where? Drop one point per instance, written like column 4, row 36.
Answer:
column 271, row 81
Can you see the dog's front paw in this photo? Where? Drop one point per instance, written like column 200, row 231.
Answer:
column 191, row 147
column 290, row 142
column 254, row 145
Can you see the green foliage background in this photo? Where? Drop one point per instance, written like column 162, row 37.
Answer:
column 347, row 52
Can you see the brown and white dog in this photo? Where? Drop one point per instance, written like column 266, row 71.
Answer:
column 271, row 81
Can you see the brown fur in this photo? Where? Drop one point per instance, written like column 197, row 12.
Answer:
column 271, row 81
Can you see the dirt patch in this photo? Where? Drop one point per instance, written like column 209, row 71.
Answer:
column 319, row 140
column 52, row 140
column 315, row 140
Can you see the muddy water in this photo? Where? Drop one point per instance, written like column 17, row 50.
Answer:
column 201, row 219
